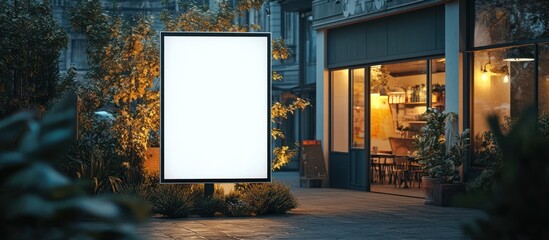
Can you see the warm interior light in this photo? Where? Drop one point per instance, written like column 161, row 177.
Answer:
column 375, row 100
column 484, row 76
column 518, row 59
column 506, row 78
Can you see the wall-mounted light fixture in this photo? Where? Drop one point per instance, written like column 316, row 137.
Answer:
column 504, row 70
column 484, row 71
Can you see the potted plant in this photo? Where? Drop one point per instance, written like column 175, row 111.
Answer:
column 440, row 156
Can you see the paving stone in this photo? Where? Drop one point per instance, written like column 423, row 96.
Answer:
column 326, row 214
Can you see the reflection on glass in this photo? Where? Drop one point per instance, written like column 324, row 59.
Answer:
column 503, row 85
column 340, row 110
column 358, row 108
column 543, row 79
column 438, row 83
column 510, row 21
column 398, row 96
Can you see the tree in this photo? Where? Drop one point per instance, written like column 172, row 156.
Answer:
column 124, row 62
column 201, row 18
column 123, row 56
column 30, row 45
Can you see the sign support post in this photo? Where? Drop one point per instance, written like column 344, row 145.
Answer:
column 208, row 190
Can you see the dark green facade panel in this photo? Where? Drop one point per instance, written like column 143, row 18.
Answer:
column 376, row 40
column 412, row 32
column 348, row 43
column 415, row 34
column 440, row 21
column 339, row 170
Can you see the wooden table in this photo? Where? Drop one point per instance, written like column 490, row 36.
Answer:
column 380, row 165
column 383, row 164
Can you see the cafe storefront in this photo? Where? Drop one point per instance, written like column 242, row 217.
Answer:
column 382, row 63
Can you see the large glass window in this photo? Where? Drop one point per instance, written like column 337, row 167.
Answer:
column 506, row 21
column 438, row 83
column 358, row 108
column 503, row 84
column 310, row 50
column 398, row 98
column 340, row 110
column 543, row 78
column 78, row 54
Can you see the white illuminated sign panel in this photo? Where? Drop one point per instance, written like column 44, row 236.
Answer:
column 215, row 107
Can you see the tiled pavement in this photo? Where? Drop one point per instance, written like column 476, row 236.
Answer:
column 326, row 214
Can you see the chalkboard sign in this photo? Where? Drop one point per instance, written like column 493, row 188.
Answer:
column 312, row 160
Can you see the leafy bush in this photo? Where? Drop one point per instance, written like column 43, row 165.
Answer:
column 206, row 207
column 171, row 200
column 36, row 201
column 518, row 206
column 268, row 198
column 489, row 154
column 234, row 206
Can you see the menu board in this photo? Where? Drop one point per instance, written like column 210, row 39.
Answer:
column 312, row 160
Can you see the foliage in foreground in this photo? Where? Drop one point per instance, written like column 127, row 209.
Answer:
column 36, row 202
column 518, row 206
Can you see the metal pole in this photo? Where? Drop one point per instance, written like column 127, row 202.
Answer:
column 208, row 190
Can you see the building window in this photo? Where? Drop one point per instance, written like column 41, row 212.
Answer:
column 290, row 28
column 543, row 78
column 340, row 110
column 358, row 108
column 438, row 83
column 507, row 21
column 78, row 54
column 503, row 85
column 398, row 98
column 310, row 50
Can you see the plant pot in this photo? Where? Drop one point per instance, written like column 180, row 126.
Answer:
column 428, row 188
column 444, row 193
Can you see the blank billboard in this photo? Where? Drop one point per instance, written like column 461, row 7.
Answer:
column 215, row 107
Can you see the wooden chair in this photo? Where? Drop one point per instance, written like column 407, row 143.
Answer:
column 402, row 148
column 401, row 171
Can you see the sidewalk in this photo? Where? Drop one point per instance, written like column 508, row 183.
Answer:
column 326, row 213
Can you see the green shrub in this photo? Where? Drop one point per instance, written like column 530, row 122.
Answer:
column 234, row 206
column 206, row 207
column 489, row 154
column 171, row 200
column 268, row 198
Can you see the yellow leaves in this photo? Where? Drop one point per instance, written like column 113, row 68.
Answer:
column 277, row 76
column 279, row 49
column 276, row 132
column 279, row 110
column 299, row 103
column 283, row 156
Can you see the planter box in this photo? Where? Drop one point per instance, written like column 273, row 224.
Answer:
column 443, row 194
column 428, row 184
